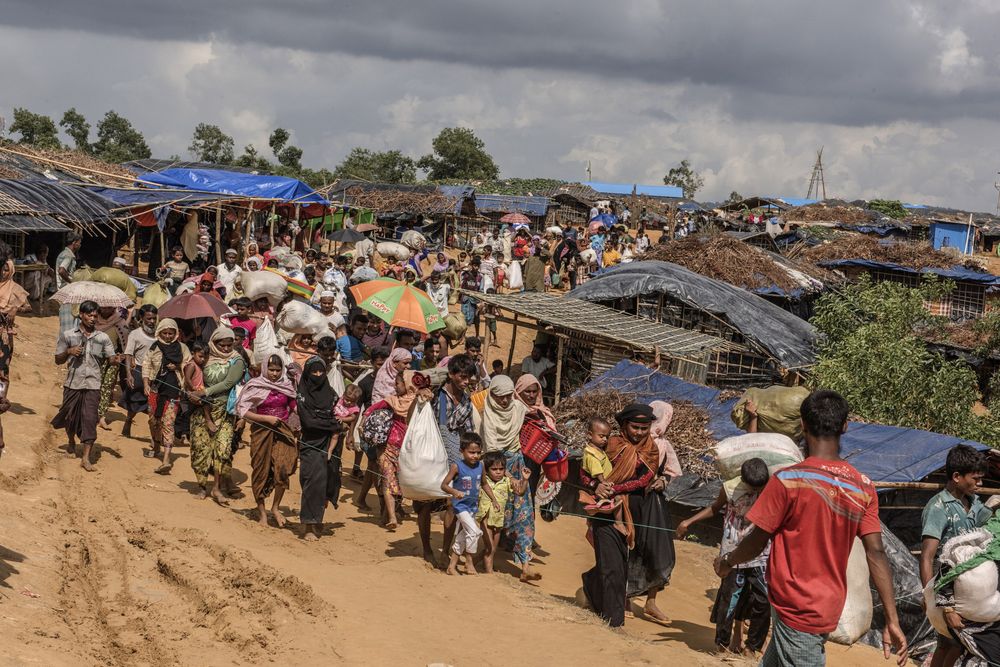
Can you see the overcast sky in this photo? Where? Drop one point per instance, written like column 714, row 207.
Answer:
column 904, row 95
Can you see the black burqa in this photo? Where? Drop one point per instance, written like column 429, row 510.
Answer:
column 319, row 476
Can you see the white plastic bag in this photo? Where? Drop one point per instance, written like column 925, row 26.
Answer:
column 856, row 618
column 423, row 460
column 265, row 343
column 301, row 318
column 514, row 280
column 775, row 450
column 336, row 378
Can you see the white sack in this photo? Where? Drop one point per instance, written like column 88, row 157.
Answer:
column 423, row 460
column 514, row 279
column 856, row 618
column 257, row 284
column 775, row 450
column 393, row 250
column 301, row 318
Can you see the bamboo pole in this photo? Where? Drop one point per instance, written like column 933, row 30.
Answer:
column 163, row 248
column 925, row 486
column 218, row 233
column 513, row 340
column 270, row 222
column 559, row 361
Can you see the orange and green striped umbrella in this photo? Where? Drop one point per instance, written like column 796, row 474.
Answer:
column 399, row 304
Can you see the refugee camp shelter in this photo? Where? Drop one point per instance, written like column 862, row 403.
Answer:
column 575, row 201
column 969, row 300
column 589, row 338
column 493, row 207
column 957, row 235
column 621, row 190
column 768, row 344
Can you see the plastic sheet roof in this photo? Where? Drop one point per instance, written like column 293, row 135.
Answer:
column 260, row 186
column 44, row 205
column 129, row 197
column 883, row 453
column 625, row 189
column 533, row 206
column 787, row 338
column 955, row 273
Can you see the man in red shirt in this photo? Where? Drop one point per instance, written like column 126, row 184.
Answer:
column 813, row 511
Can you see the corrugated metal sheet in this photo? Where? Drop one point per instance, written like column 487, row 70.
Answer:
column 533, row 206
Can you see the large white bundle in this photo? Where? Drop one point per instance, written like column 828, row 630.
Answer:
column 393, row 250
column 514, row 278
column 265, row 343
column 257, row 284
column 856, row 618
column 301, row 318
column 976, row 595
column 423, row 460
column 413, row 239
column 775, row 449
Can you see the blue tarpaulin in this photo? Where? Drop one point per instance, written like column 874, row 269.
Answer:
column 954, row 273
column 795, row 201
column 883, row 453
column 533, row 206
column 259, row 186
column 122, row 197
column 669, row 191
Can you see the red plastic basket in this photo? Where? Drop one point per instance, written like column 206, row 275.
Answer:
column 536, row 444
column 558, row 470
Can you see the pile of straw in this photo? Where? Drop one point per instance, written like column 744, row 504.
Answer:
column 85, row 167
column 727, row 259
column 909, row 254
column 833, row 213
column 390, row 201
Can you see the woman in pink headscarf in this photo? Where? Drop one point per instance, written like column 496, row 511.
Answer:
column 528, row 390
column 670, row 465
column 385, row 380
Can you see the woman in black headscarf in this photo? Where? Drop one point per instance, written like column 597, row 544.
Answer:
column 633, row 549
column 319, row 452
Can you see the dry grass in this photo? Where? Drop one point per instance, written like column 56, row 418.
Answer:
column 909, row 254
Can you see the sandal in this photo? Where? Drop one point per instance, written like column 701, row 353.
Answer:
column 150, row 454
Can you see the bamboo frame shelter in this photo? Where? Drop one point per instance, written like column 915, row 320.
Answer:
column 598, row 337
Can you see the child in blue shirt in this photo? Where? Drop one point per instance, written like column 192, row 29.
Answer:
column 463, row 483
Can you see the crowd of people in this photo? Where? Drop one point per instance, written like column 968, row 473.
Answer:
column 344, row 403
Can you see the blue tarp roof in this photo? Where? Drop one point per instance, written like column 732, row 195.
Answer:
column 883, row 453
column 916, row 206
column 670, row 191
column 234, row 183
column 124, row 197
column 491, row 203
column 954, row 273
column 459, row 193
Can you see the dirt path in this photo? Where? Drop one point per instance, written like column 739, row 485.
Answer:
column 124, row 567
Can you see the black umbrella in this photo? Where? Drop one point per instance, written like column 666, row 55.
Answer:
column 346, row 235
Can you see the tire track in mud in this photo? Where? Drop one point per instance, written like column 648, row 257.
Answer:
column 137, row 593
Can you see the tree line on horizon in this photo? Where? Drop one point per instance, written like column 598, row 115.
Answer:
column 457, row 153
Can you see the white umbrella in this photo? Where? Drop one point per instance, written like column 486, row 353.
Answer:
column 105, row 295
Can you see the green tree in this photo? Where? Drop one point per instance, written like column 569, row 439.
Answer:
column 459, row 153
column 278, row 139
column 118, row 141
column 379, row 166
column 890, row 207
column 684, row 177
column 35, row 129
column 734, row 197
column 251, row 159
column 289, row 157
column 210, row 144
column 870, row 351
column 78, row 129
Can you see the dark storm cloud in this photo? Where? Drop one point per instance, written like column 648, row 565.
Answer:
column 851, row 62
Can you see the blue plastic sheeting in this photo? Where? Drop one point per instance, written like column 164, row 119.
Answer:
column 122, row 198
column 669, row 191
column 534, row 206
column 459, row 193
column 880, row 230
column 883, row 453
column 234, row 183
column 954, row 273
column 918, row 206
column 793, row 201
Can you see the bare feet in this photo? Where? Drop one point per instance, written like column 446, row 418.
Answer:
column 202, row 493
column 87, row 465
column 218, row 497
column 451, row 571
column 310, row 537
column 391, row 525
column 164, row 469
column 71, row 448
column 103, row 423
column 262, row 517
column 470, row 567
column 278, row 518
column 362, row 506
column 429, row 557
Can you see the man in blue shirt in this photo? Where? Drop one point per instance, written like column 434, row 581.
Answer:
column 350, row 347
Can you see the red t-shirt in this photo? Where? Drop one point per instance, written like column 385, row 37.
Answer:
column 814, row 509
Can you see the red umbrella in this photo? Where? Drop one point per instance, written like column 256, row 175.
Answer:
column 192, row 306
column 515, row 219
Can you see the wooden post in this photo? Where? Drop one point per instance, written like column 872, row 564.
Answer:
column 513, row 340
column 270, row 222
column 559, row 361
column 163, row 248
column 218, row 233
column 298, row 212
